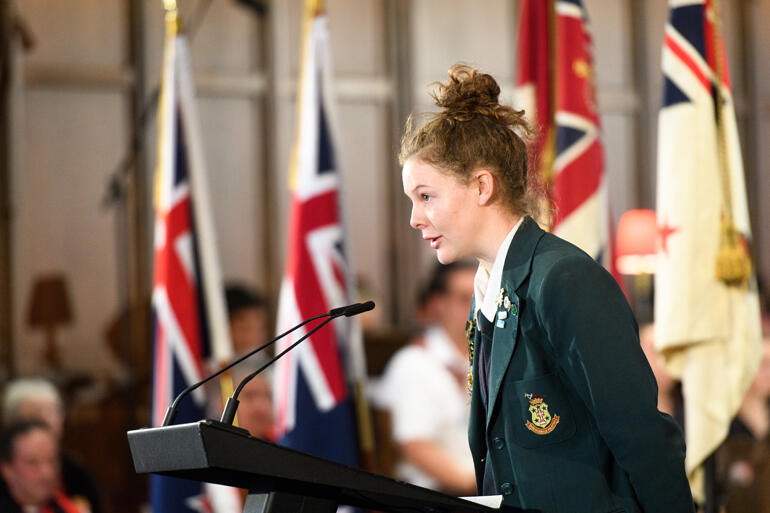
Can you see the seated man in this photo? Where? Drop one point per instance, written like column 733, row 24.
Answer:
column 38, row 399
column 425, row 388
column 29, row 465
column 247, row 316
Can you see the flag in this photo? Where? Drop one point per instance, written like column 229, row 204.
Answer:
column 707, row 320
column 189, row 320
column 316, row 384
column 555, row 87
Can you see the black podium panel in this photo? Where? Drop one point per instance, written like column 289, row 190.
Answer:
column 212, row 452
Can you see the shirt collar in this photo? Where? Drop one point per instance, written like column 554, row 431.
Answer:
column 486, row 284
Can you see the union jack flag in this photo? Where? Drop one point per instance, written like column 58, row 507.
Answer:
column 708, row 331
column 555, row 87
column 314, row 399
column 188, row 304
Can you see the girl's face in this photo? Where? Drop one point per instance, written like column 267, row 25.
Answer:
column 444, row 209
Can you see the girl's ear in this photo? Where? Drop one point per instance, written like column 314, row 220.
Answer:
column 484, row 181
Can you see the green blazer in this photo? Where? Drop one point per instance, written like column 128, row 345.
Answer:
column 572, row 424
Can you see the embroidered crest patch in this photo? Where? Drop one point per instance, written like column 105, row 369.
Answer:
column 542, row 421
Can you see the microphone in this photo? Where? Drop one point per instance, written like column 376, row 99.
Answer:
column 351, row 310
column 334, row 313
column 228, row 415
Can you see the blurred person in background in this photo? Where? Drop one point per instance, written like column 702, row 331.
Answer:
column 37, row 399
column 425, row 388
column 29, row 465
column 429, row 303
column 247, row 316
column 255, row 402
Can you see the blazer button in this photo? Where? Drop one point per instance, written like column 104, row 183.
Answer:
column 506, row 488
column 498, row 442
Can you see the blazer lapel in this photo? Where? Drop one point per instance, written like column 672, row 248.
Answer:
column 518, row 263
column 503, row 344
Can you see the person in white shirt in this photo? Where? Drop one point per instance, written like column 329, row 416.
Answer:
column 425, row 388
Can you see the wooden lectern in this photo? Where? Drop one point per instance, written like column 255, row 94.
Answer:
column 279, row 479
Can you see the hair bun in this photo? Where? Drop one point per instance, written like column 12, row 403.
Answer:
column 468, row 94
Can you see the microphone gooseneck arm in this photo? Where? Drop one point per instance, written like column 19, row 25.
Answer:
column 171, row 411
column 228, row 415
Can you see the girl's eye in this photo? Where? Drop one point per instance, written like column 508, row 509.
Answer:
column 425, row 197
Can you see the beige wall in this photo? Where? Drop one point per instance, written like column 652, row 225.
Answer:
column 74, row 118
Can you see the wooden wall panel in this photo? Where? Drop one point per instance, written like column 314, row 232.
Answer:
column 60, row 224
column 479, row 33
column 233, row 147
column 65, row 32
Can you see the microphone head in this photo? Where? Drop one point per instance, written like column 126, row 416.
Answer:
column 359, row 308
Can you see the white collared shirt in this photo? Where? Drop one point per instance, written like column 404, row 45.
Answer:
column 424, row 387
column 486, row 285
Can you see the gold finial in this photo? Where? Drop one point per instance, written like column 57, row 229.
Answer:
column 314, row 7
column 173, row 21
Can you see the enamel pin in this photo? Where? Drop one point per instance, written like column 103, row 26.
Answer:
column 470, row 335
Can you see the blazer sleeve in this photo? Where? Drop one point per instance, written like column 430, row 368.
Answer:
column 594, row 336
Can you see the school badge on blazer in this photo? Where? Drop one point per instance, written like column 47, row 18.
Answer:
column 542, row 421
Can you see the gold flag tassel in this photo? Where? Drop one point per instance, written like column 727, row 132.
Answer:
column 733, row 263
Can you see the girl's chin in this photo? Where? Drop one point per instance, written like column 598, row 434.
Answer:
column 445, row 257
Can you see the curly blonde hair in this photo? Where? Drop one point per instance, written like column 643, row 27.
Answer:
column 474, row 131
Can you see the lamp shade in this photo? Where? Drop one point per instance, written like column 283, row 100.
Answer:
column 50, row 303
column 637, row 236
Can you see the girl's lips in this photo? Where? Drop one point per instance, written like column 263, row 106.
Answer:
column 434, row 242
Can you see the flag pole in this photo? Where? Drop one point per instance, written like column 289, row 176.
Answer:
column 710, row 483
column 733, row 264
column 727, row 238
column 210, row 279
column 548, row 156
column 354, row 359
